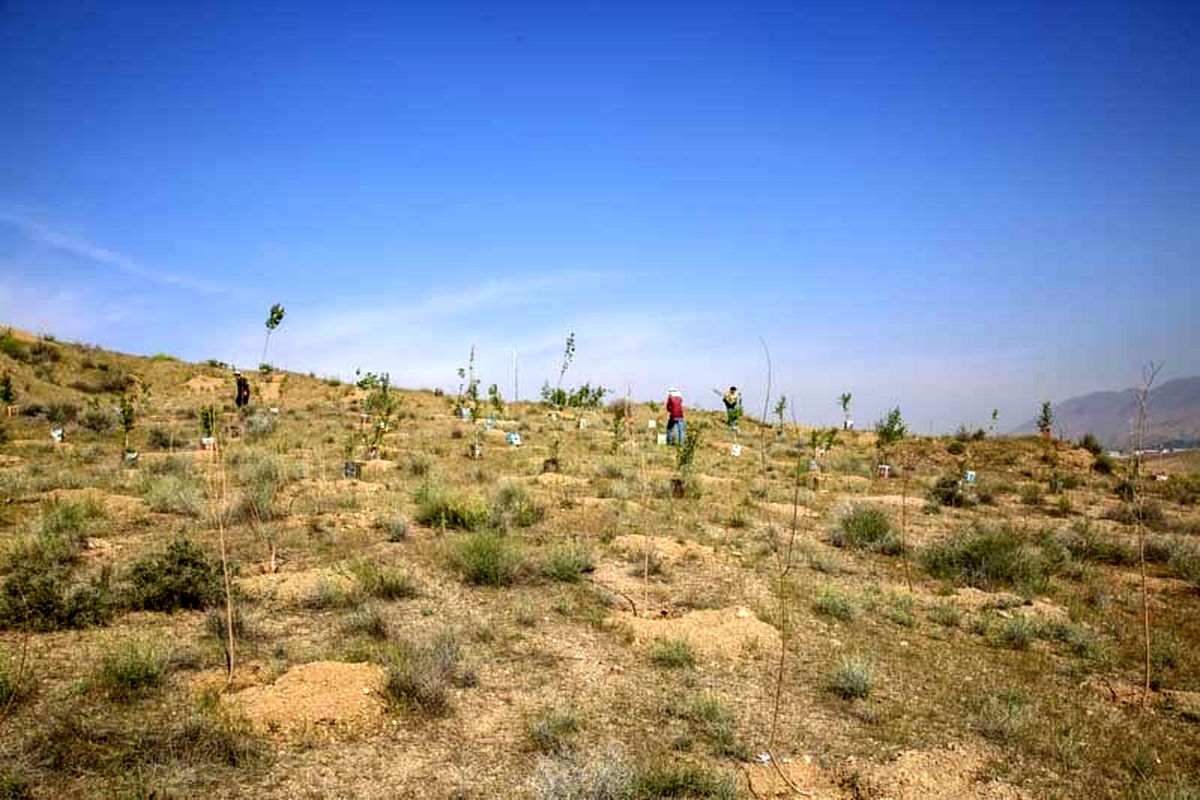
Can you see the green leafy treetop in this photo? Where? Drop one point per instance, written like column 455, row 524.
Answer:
column 888, row 431
column 274, row 317
column 7, row 395
column 1045, row 420
column 128, row 418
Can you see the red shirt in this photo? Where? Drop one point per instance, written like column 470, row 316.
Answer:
column 675, row 407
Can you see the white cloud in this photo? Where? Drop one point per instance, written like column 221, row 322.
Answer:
column 80, row 248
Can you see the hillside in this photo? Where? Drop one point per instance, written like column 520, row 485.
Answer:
column 448, row 626
column 1173, row 415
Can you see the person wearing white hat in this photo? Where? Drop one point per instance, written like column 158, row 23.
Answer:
column 676, row 427
column 243, row 389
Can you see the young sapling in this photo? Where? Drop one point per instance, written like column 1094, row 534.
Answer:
column 274, row 318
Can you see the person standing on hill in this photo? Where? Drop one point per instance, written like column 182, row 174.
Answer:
column 733, row 407
column 676, row 427
column 242, row 398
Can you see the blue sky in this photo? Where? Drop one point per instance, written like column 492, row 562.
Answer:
column 950, row 207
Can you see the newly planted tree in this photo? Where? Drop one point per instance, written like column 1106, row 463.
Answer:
column 820, row 442
column 382, row 404
column 1045, row 420
column 128, row 419
column 1138, row 440
column 274, row 318
column 7, row 395
column 889, row 431
column 495, row 400
column 780, row 410
column 844, row 399
column 995, row 419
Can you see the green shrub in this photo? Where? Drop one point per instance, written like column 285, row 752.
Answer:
column 866, row 528
column 514, row 508
column 10, row 691
column 832, row 603
column 551, row 731
column 383, row 582
column 262, row 479
column 14, row 786
column 394, row 525
column 946, row 614
column 98, row 420
column 46, row 596
column 985, row 558
column 568, row 562
column 1090, row 443
column 948, row 491
column 1002, row 717
column 420, row 673
column 442, row 509
column 1031, row 494
column 605, row 777
column 1104, row 464
column 1185, row 564
column 172, row 494
column 1083, row 542
column 181, row 577
column 66, row 516
column 486, row 558
column 131, row 669
column 672, row 653
column 326, row 595
column 683, row 780
column 367, row 620
column 1148, row 512
column 1017, row 633
column 852, row 679
column 715, row 724
column 160, row 438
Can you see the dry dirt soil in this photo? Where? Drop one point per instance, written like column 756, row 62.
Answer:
column 445, row 626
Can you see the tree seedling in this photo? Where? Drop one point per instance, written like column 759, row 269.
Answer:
column 274, row 318
column 844, row 399
column 1045, row 419
column 128, row 420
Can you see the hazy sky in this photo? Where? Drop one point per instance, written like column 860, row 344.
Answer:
column 944, row 206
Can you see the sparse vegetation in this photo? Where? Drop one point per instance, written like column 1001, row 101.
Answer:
column 486, row 558
column 852, row 679
column 130, row 669
column 673, row 654
column 180, row 577
column 421, row 672
column 591, row 604
column 866, row 528
column 986, row 557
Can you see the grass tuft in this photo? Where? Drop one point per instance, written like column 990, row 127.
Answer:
column 852, row 679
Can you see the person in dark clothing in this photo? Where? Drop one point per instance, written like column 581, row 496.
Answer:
column 676, row 427
column 242, row 397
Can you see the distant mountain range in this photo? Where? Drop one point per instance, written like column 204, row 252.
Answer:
column 1172, row 415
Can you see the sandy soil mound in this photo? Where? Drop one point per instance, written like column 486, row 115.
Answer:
column 322, row 697
column 208, row 384
column 114, row 504
column 951, row 773
column 293, row 587
column 272, row 389
column 558, row 479
column 720, row 633
column 767, row 782
column 668, row 548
